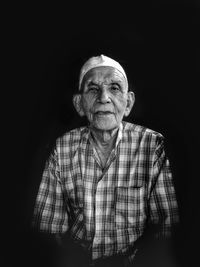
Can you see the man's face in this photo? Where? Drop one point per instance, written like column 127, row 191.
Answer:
column 104, row 97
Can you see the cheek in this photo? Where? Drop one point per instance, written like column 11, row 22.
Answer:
column 120, row 105
column 88, row 103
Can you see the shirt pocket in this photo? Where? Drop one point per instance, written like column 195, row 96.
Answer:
column 130, row 206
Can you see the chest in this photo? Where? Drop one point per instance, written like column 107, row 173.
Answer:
column 125, row 173
column 114, row 194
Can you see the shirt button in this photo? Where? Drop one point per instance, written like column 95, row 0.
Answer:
column 97, row 240
column 99, row 211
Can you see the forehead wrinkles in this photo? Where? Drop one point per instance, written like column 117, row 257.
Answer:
column 104, row 75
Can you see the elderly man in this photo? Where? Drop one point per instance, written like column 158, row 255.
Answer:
column 105, row 185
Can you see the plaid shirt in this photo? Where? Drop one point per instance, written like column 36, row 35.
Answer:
column 106, row 210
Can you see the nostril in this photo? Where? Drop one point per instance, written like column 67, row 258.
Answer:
column 104, row 97
column 104, row 100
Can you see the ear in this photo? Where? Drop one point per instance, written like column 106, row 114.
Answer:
column 77, row 101
column 130, row 103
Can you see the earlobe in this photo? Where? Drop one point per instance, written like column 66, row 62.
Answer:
column 78, row 105
column 130, row 103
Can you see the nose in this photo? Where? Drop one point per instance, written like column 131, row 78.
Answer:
column 104, row 96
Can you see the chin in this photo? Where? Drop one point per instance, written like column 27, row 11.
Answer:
column 106, row 127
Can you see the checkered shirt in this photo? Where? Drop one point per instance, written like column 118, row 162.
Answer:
column 106, row 210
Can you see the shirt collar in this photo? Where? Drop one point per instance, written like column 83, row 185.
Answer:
column 119, row 134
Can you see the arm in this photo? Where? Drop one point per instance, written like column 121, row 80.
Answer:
column 163, row 208
column 156, row 245
column 50, row 212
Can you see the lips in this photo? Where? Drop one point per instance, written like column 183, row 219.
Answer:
column 103, row 113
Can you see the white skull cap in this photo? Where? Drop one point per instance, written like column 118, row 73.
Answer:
column 100, row 61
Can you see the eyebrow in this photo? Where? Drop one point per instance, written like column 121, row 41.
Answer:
column 112, row 83
column 115, row 83
column 92, row 83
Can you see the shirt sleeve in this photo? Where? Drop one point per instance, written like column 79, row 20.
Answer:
column 163, row 205
column 50, row 212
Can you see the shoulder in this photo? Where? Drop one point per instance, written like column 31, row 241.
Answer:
column 131, row 128
column 70, row 141
column 142, row 133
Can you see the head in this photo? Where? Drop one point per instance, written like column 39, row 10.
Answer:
column 103, row 95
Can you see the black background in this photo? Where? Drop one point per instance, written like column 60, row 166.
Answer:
column 158, row 46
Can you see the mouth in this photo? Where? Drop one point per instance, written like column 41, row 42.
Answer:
column 103, row 113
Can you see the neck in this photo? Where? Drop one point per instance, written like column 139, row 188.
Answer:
column 104, row 138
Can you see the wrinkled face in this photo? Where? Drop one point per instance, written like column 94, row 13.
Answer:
column 105, row 98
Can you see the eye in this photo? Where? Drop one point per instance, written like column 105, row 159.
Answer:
column 93, row 88
column 115, row 87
